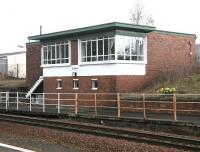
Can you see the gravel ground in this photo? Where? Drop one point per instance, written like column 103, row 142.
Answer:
column 50, row 140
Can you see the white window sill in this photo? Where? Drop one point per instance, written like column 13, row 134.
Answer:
column 58, row 88
column 113, row 62
column 94, row 89
column 75, row 88
column 54, row 65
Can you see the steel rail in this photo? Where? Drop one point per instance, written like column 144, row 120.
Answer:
column 177, row 141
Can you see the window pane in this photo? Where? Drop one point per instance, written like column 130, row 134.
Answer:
column 112, row 46
column 58, row 52
column 49, row 54
column 94, row 48
column 137, row 47
column 94, row 84
column 105, row 46
column 120, row 49
column 141, row 48
column 58, row 84
column 94, row 51
column 75, row 84
column 133, row 47
column 127, row 49
column 140, row 58
column 53, row 54
column 45, row 55
column 100, row 47
column 83, row 51
column 62, row 53
column 134, row 58
column 100, row 58
column 45, row 52
column 66, row 51
column 88, row 50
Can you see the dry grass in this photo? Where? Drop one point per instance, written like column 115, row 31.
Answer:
column 13, row 83
column 187, row 84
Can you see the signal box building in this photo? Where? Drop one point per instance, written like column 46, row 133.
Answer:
column 107, row 58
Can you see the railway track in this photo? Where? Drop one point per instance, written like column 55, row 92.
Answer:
column 181, row 142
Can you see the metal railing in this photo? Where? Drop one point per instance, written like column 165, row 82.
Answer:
column 174, row 107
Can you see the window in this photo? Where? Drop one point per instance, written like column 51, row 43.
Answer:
column 56, row 53
column 100, row 49
column 83, row 51
column 94, row 85
column 130, row 48
column 118, row 48
column 58, row 84
column 75, row 84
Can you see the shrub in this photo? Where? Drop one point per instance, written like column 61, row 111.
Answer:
column 167, row 90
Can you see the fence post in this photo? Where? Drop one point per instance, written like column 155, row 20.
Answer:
column 95, row 104
column 76, row 103
column 58, row 102
column 118, row 105
column 43, row 104
column 7, row 98
column 144, row 106
column 30, row 102
column 17, row 100
column 174, row 107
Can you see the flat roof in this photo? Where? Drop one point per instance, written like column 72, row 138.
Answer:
column 12, row 53
column 174, row 33
column 95, row 29
column 104, row 28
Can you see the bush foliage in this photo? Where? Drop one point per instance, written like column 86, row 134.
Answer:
column 167, row 90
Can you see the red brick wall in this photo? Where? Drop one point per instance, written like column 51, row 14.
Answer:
column 74, row 52
column 106, row 84
column 169, row 52
column 165, row 53
column 33, row 63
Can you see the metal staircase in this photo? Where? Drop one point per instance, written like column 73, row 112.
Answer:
column 36, row 84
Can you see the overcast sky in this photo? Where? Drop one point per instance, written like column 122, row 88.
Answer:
column 22, row 18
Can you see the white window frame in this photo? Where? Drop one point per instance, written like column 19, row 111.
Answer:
column 56, row 59
column 144, row 61
column 130, row 38
column 92, row 84
column 75, row 80
column 97, row 51
column 58, row 84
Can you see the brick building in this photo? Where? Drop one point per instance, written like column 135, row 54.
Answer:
column 113, row 57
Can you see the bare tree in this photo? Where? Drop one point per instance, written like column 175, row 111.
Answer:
column 138, row 15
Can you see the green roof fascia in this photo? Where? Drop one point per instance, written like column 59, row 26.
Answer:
column 95, row 29
column 175, row 33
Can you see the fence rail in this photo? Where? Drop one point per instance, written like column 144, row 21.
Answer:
column 146, row 106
